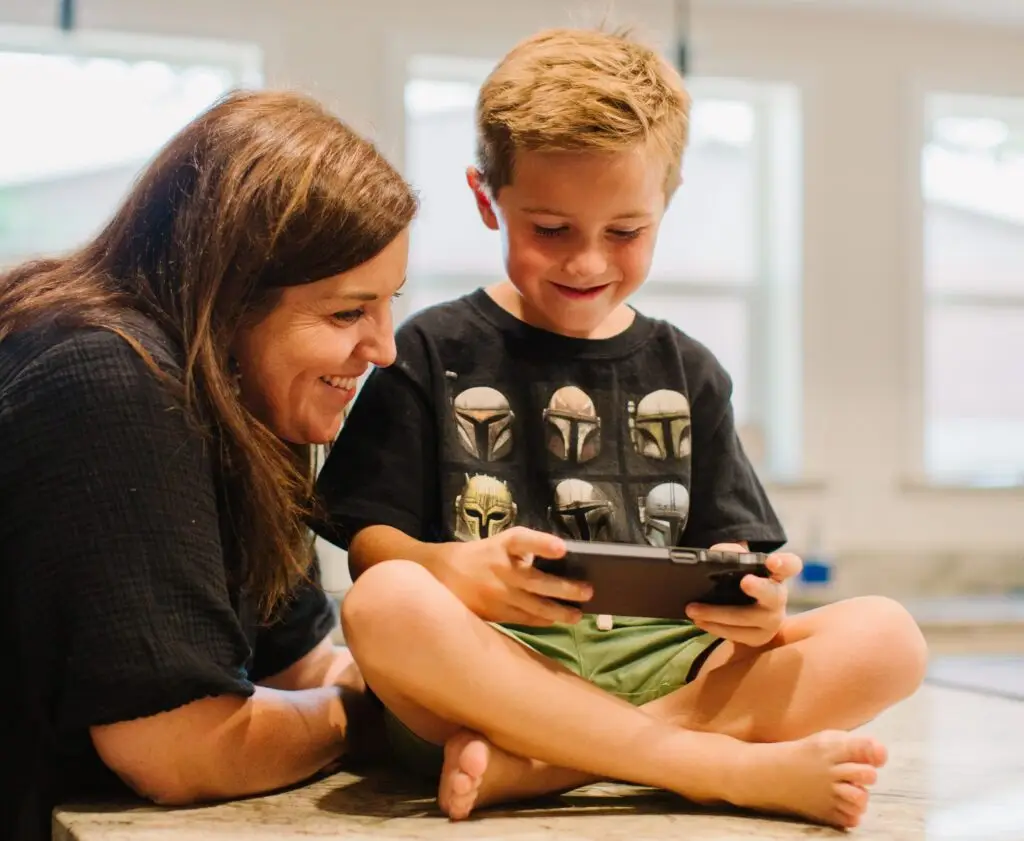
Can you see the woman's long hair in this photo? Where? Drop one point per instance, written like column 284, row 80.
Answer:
column 262, row 191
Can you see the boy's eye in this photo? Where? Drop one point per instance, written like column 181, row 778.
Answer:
column 618, row 233
column 543, row 231
column 627, row 234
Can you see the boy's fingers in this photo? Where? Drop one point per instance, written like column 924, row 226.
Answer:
column 543, row 611
column 552, row 587
column 744, row 635
column 522, row 541
column 769, row 593
column 515, row 616
column 750, row 616
column 784, row 565
column 522, row 560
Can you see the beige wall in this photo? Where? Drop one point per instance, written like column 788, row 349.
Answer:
column 860, row 76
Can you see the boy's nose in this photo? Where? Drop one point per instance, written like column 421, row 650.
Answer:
column 590, row 262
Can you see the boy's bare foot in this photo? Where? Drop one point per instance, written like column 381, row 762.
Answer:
column 466, row 757
column 477, row 773
column 824, row 777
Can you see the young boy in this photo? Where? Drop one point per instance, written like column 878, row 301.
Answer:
column 546, row 406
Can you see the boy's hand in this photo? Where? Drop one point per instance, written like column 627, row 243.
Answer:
column 496, row 579
column 752, row 625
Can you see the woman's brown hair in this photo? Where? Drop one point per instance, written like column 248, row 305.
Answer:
column 262, row 191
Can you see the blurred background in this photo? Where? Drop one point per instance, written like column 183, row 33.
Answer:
column 849, row 238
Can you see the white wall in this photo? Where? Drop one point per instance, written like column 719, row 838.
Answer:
column 861, row 76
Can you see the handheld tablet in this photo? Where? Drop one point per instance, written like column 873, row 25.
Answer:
column 634, row 580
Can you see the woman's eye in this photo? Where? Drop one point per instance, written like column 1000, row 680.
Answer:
column 627, row 234
column 348, row 316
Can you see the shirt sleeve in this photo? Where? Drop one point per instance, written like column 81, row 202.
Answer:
column 728, row 501
column 306, row 618
column 114, row 539
column 383, row 469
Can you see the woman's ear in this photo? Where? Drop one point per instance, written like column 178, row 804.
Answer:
column 482, row 195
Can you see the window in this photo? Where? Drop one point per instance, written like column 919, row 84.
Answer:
column 973, row 189
column 727, row 265
column 83, row 116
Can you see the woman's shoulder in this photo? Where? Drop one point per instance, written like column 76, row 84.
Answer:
column 87, row 398
column 76, row 355
column 50, row 370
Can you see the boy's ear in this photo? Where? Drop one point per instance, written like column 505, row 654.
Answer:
column 484, row 204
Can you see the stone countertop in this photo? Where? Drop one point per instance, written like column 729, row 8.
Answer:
column 953, row 774
column 345, row 806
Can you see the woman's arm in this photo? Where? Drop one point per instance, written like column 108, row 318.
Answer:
column 225, row 747
column 326, row 665
column 294, row 725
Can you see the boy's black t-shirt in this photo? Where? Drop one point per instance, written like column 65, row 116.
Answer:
column 485, row 422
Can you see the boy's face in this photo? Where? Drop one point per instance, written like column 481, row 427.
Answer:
column 578, row 232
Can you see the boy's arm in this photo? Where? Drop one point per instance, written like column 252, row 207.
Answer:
column 728, row 503
column 374, row 544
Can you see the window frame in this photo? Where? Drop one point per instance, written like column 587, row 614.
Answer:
column 933, row 101
column 244, row 59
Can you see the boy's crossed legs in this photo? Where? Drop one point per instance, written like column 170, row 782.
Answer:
column 742, row 732
column 786, row 692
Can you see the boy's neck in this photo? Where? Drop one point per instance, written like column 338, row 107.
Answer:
column 506, row 296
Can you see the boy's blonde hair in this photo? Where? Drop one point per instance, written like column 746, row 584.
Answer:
column 580, row 90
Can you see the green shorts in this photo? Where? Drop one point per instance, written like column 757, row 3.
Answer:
column 637, row 660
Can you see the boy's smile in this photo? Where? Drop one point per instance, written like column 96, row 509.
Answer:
column 586, row 293
column 578, row 233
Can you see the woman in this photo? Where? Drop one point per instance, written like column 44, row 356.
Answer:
column 160, row 390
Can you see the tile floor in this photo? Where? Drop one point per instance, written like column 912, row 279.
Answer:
column 956, row 774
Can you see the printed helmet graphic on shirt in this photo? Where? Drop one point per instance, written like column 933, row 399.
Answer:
column 572, row 425
column 659, row 425
column 484, row 508
column 483, row 419
column 663, row 514
column 581, row 511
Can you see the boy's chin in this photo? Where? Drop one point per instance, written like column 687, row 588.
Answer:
column 584, row 323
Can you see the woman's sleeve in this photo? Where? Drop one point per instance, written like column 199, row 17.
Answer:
column 112, row 540
column 299, row 626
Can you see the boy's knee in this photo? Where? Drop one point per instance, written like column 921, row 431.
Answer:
column 377, row 600
column 899, row 639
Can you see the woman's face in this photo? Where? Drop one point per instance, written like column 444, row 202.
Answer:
column 298, row 366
